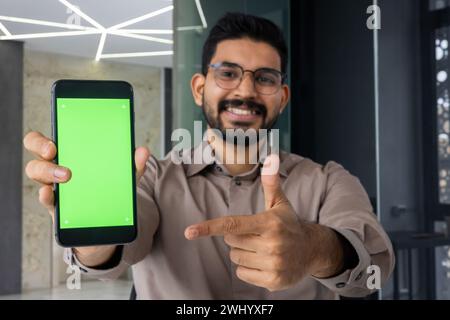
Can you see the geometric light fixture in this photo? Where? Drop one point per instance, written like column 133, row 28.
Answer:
column 96, row 28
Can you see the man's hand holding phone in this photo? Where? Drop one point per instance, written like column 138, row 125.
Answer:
column 44, row 171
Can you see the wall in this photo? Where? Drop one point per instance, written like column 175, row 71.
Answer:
column 400, row 124
column 334, row 95
column 400, row 105
column 10, row 166
column 42, row 259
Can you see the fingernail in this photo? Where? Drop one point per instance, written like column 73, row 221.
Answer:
column 192, row 233
column 47, row 149
column 60, row 173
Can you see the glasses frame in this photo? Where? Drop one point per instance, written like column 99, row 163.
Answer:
column 217, row 65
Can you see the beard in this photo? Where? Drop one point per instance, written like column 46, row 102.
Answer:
column 215, row 122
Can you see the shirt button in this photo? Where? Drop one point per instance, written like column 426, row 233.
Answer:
column 238, row 182
column 340, row 285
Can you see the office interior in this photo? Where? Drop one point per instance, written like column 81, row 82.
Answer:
column 372, row 95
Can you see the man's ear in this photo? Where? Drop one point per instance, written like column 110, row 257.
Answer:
column 197, row 87
column 285, row 96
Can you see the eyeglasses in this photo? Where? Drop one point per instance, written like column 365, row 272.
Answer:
column 229, row 76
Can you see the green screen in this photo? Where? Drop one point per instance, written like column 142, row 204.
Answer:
column 94, row 142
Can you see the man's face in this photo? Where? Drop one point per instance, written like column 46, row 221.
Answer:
column 242, row 107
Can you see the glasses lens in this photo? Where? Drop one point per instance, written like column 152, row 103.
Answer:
column 228, row 77
column 267, row 81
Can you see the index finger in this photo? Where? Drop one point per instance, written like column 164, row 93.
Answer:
column 39, row 145
column 253, row 224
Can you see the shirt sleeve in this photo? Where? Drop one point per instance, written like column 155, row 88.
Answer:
column 346, row 208
column 148, row 217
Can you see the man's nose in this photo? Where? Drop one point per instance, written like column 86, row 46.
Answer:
column 246, row 88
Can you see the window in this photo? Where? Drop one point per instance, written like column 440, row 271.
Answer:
column 439, row 4
column 442, row 112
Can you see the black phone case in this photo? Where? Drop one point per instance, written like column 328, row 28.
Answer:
column 79, row 237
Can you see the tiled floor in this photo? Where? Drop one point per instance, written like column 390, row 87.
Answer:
column 90, row 290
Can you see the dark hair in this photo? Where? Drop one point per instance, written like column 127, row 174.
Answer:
column 238, row 26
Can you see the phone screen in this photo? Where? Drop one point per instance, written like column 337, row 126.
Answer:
column 94, row 142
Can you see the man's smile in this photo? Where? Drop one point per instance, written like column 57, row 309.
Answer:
column 241, row 113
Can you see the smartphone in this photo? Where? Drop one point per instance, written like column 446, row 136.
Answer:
column 93, row 129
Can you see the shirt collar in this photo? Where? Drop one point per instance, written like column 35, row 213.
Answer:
column 192, row 169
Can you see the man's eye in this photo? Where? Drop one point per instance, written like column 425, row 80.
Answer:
column 266, row 80
column 230, row 74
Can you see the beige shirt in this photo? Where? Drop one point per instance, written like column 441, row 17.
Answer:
column 172, row 196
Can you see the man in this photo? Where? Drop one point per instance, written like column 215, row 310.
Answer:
column 290, row 229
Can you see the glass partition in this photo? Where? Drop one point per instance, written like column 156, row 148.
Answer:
column 190, row 19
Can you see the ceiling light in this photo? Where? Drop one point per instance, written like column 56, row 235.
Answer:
column 200, row 12
column 44, row 23
column 141, row 18
column 4, row 30
column 188, row 28
column 148, row 31
column 100, row 47
column 82, row 14
column 136, row 36
column 137, row 54
column 97, row 28
column 49, row 34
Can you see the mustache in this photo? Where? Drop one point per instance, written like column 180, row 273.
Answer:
column 252, row 105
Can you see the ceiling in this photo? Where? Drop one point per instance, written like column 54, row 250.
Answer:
column 107, row 13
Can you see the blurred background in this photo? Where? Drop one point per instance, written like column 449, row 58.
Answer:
column 370, row 90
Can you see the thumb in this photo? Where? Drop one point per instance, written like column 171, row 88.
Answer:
column 270, row 180
column 141, row 156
